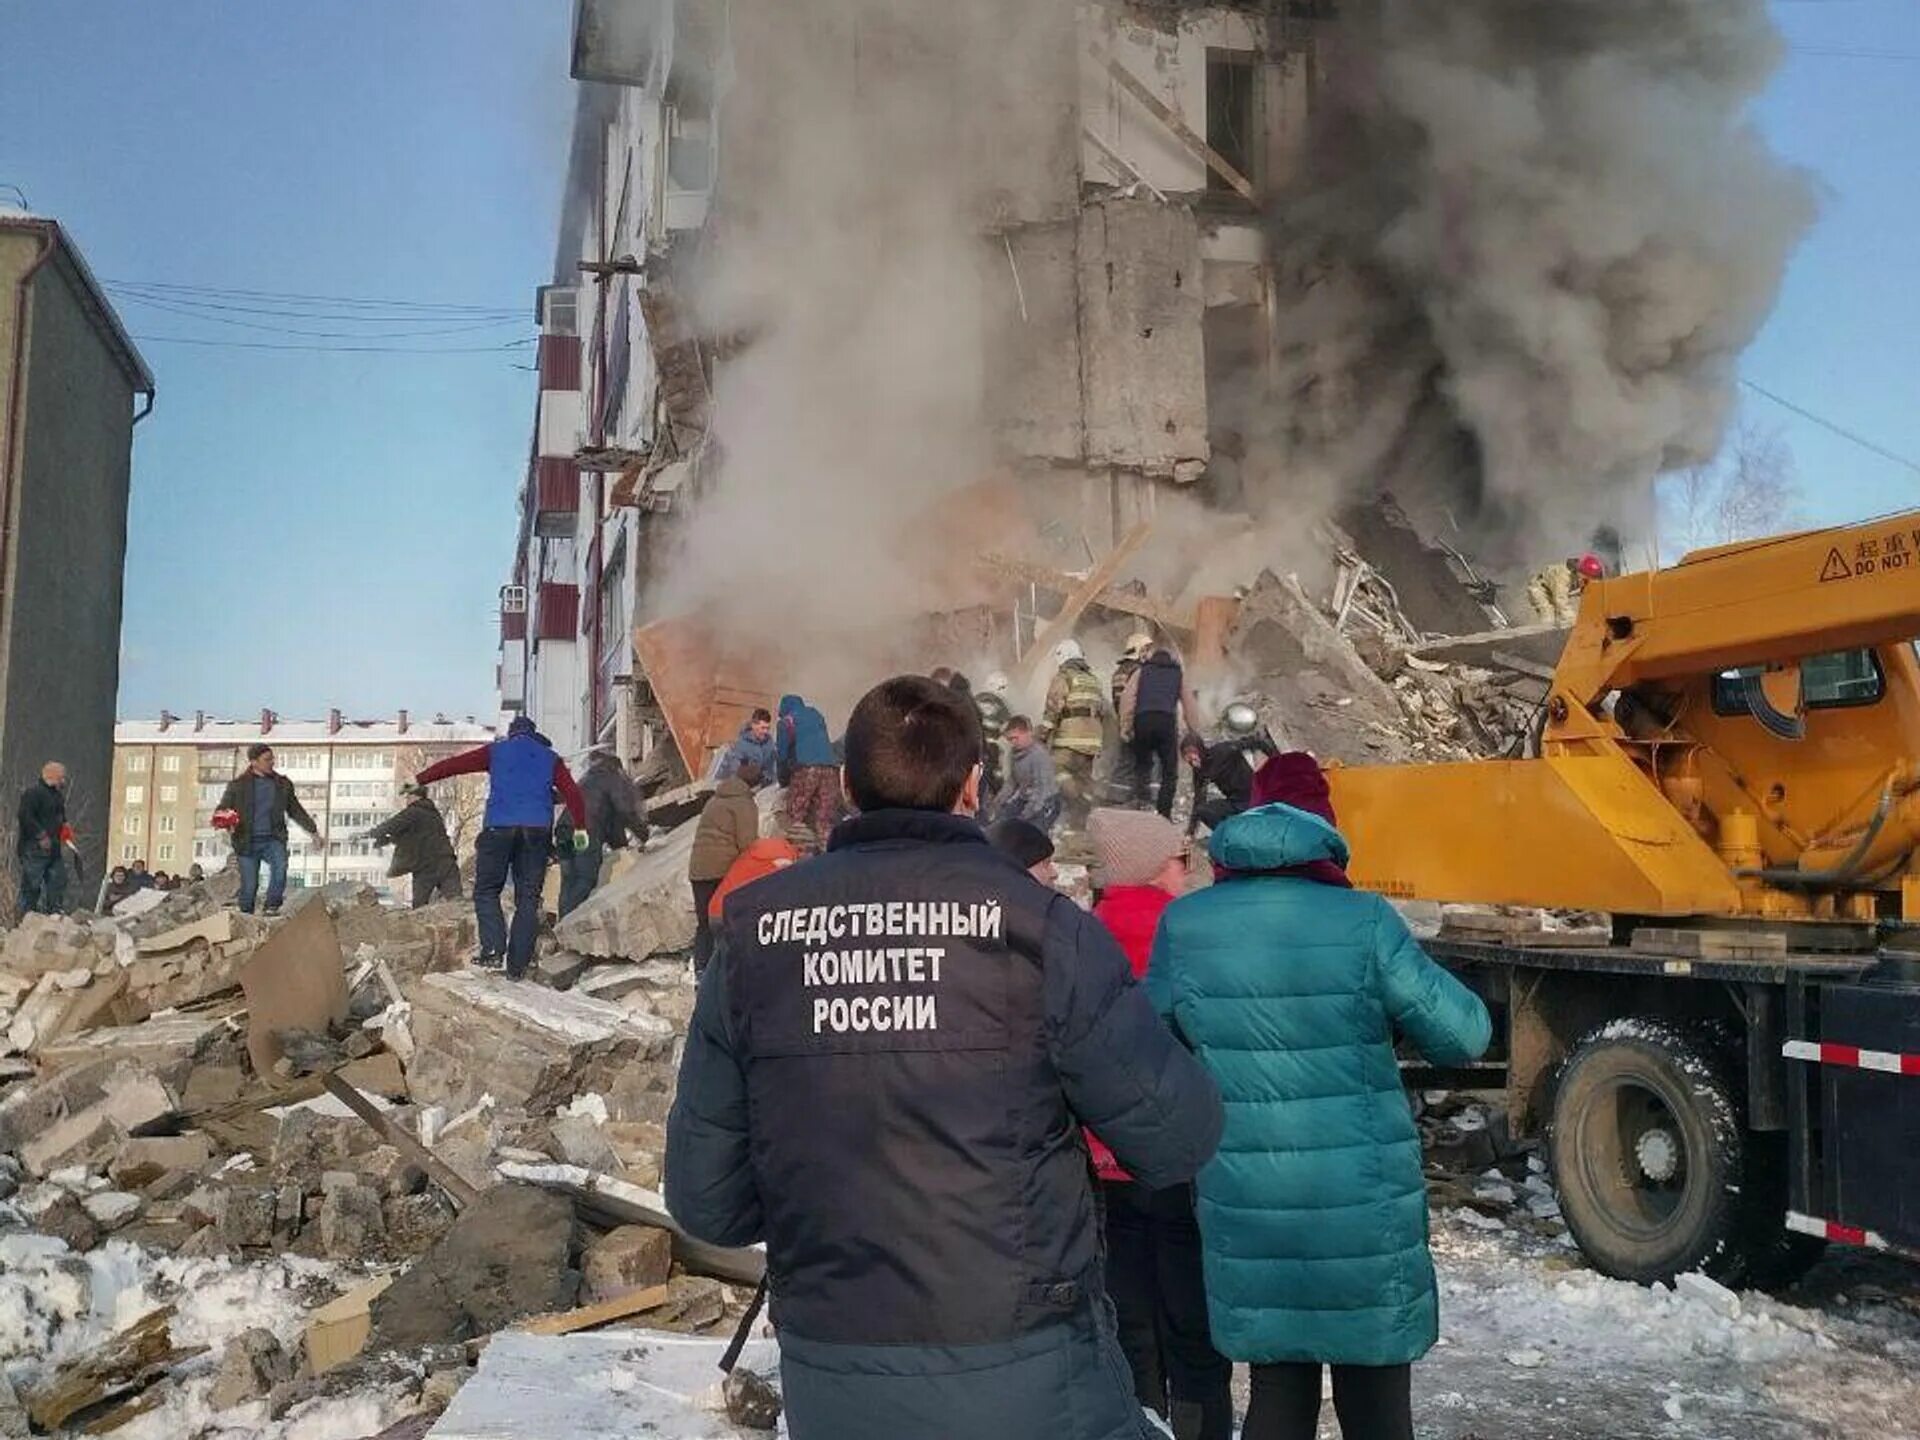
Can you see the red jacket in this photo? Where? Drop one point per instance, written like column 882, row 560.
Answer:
column 1131, row 914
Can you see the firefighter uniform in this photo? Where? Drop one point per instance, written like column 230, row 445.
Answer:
column 1074, row 727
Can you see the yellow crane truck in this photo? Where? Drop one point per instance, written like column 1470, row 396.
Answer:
column 1729, row 768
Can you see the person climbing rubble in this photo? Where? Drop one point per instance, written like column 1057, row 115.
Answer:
column 1120, row 777
column 895, row 1117
column 727, row 829
column 1073, row 728
column 1223, row 767
column 421, row 848
column 517, row 839
column 1554, row 593
column 254, row 809
column 810, row 770
column 1033, row 790
column 1156, row 698
column 755, row 742
column 615, row 815
column 995, row 714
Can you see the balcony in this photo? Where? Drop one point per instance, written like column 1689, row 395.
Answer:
column 559, row 362
column 618, row 42
column 556, row 498
column 557, row 615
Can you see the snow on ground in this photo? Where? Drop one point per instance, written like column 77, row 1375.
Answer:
column 55, row 1306
column 1537, row 1347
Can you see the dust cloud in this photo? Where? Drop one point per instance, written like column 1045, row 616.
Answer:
column 1532, row 244
column 868, row 145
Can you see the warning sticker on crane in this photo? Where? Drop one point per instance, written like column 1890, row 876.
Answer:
column 1836, row 567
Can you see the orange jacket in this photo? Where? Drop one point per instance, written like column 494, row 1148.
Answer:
column 761, row 858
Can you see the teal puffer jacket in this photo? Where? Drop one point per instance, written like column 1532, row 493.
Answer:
column 1313, row 1213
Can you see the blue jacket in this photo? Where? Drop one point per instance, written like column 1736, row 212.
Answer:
column 803, row 738
column 1313, row 1214
column 889, row 1061
column 520, row 772
column 744, row 748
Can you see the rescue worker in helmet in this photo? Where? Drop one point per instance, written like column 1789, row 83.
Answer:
column 1227, row 765
column 1074, row 728
column 1554, row 593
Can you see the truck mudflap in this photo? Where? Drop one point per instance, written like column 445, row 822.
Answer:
column 1854, row 1101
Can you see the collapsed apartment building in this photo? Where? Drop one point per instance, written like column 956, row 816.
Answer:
column 887, row 335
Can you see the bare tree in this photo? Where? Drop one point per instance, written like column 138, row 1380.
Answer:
column 1750, row 490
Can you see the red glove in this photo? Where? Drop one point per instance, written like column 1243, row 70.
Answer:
column 226, row 819
column 66, row 834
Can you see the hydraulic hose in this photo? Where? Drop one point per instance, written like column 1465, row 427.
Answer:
column 1842, row 874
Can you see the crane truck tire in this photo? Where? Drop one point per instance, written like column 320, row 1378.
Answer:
column 1649, row 1155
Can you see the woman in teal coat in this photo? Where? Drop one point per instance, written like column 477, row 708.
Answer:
column 1289, row 985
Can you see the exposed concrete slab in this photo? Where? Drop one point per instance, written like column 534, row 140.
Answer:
column 561, row 1387
column 159, row 1041
column 1142, row 303
column 1032, row 379
column 527, row 1046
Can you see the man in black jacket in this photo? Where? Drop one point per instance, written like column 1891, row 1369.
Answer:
column 615, row 812
column 261, row 800
column 421, row 848
column 891, row 1058
column 42, row 842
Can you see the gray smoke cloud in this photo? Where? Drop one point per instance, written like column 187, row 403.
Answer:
column 868, row 147
column 1533, row 242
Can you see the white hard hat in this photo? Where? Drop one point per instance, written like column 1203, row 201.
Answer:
column 1068, row 650
column 1139, row 643
column 997, row 683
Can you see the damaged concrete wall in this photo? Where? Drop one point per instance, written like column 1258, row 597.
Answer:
column 1033, row 345
column 1143, row 354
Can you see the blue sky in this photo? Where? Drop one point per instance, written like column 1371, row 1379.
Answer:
column 307, row 529
column 316, row 529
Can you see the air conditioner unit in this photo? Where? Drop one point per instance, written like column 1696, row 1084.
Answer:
column 513, row 599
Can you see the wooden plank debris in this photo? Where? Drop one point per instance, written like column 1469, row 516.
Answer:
column 1119, row 602
column 1061, row 625
column 458, row 1190
column 340, row 1329
column 125, row 1364
column 591, row 1317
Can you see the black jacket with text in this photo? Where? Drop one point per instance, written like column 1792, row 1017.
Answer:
column 890, row 1061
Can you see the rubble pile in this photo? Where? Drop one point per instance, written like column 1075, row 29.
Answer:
column 412, row 1155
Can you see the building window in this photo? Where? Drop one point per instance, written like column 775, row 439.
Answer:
column 136, row 794
column 131, row 825
column 129, row 852
column 1233, row 79
column 166, row 825
column 136, row 764
column 166, row 852
column 170, row 764
column 169, row 794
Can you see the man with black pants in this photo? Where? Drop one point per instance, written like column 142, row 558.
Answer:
column 1150, row 711
column 615, row 814
column 883, row 1079
column 41, row 846
column 522, row 775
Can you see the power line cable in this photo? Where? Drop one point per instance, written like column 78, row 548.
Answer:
column 465, row 328
column 360, row 317
column 337, row 349
column 289, row 295
column 1840, row 52
column 1834, row 427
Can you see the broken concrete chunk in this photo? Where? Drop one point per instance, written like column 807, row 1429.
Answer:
column 215, row 928
column 642, row 912
column 130, row 1106
column 528, row 1047
column 580, row 1141
column 66, row 1219
column 243, row 1215
column 377, row 1075
column 144, row 1159
column 751, row 1400
column 250, row 1366
column 633, row 1257
column 42, row 944
column 509, row 1255
column 615, row 982
column 352, row 1224
column 163, row 1040
column 562, row 969
column 112, row 1209
column 415, row 1223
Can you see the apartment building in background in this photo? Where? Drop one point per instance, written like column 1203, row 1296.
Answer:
column 168, row 775
column 1133, row 298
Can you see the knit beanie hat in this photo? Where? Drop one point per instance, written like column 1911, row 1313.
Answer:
column 1132, row 846
column 1295, row 779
